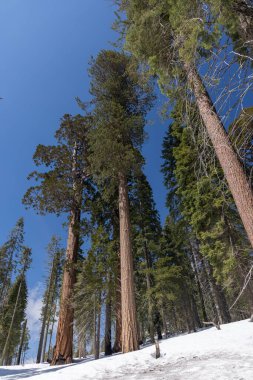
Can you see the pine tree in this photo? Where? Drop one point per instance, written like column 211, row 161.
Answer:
column 91, row 288
column 52, row 292
column 61, row 189
column 146, row 237
column 172, row 37
column 9, row 258
column 13, row 313
column 121, row 104
column 208, row 207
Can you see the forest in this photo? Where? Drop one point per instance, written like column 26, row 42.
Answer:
column 123, row 279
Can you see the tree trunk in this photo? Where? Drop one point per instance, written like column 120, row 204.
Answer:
column 165, row 329
column 195, row 313
column 108, row 323
column 150, row 301
column 229, row 161
column 82, row 345
column 45, row 343
column 63, row 352
column 117, row 347
column 97, row 322
column 205, row 280
column 199, row 286
column 42, row 334
column 40, row 357
column 129, row 319
column 221, row 306
column 21, row 342
column 51, row 334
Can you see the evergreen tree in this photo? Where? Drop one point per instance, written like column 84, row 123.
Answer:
column 61, row 189
column 146, row 237
column 91, row 288
column 52, row 292
column 10, row 258
column 208, row 207
column 172, row 37
column 13, row 313
column 121, row 104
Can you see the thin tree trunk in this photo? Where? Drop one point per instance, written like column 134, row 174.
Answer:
column 197, row 276
column 129, row 318
column 97, row 322
column 195, row 313
column 81, row 345
column 164, row 323
column 45, row 317
column 63, row 352
column 51, row 334
column 108, row 322
column 117, row 347
column 221, row 306
column 150, row 301
column 229, row 161
column 45, row 342
column 206, row 279
column 21, row 342
column 94, row 327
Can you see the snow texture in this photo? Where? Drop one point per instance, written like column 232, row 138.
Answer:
column 205, row 355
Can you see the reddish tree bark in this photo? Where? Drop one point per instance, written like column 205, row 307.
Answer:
column 231, row 165
column 117, row 347
column 129, row 319
column 63, row 351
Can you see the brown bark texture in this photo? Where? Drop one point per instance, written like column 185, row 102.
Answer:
column 129, row 319
column 229, row 161
column 117, row 347
column 63, row 351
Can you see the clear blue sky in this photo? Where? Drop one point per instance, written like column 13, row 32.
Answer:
column 45, row 48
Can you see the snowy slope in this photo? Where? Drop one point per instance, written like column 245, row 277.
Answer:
column 205, row 355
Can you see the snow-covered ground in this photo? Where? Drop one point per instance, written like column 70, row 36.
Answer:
column 206, row 355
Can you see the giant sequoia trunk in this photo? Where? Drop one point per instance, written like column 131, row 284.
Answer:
column 63, row 351
column 129, row 320
column 232, row 168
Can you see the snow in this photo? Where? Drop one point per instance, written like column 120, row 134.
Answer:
column 209, row 354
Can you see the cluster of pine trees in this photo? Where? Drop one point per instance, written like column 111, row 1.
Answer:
column 15, row 259
column 125, row 278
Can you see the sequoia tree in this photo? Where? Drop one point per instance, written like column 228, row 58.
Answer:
column 60, row 189
column 172, row 37
column 121, row 103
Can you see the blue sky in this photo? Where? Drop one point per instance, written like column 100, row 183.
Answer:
column 45, row 48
